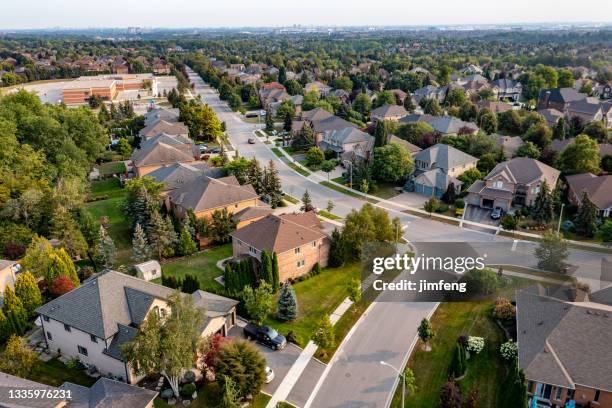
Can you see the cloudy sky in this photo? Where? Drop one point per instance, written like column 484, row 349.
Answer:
column 239, row 13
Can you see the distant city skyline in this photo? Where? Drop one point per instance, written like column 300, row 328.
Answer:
column 267, row 13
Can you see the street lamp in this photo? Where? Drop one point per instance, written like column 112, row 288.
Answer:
column 401, row 375
column 560, row 218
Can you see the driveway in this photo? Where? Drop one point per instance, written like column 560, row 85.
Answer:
column 481, row 215
column 280, row 361
column 410, row 199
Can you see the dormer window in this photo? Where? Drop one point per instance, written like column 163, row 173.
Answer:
column 498, row 184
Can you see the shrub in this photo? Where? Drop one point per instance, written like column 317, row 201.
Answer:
column 482, row 281
column 509, row 350
column 61, row 285
column 459, row 203
column 188, row 390
column 475, row 344
column 503, row 309
column 167, row 393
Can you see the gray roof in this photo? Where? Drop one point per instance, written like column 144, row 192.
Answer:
column 551, row 115
column 8, row 381
column 206, row 193
column 215, row 305
column 167, row 114
column 599, row 189
column 413, row 149
column 163, row 126
column 436, row 178
column 102, row 302
column 444, row 157
column 584, row 106
column 164, row 149
column 349, row 135
column 388, row 110
column 331, row 123
column 441, row 124
column 564, row 344
column 505, row 83
column 509, row 144
column 316, row 114
column 562, row 95
column 124, row 335
column 253, row 211
column 5, row 263
column 525, row 170
column 107, row 393
column 178, row 174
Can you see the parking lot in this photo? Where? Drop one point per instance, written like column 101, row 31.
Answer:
column 481, row 215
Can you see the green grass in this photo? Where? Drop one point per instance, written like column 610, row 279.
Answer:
column 112, row 168
column 209, row 396
column 299, row 169
column 292, row 150
column 328, row 215
column 384, row 190
column 346, row 191
column 106, row 188
column 55, row 373
column 277, row 152
column 292, row 200
column 202, row 265
column 317, row 296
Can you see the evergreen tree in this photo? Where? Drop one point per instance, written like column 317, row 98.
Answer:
column 586, row 218
column 229, row 394
column 560, row 129
column 70, row 267
column 162, row 235
column 266, row 268
column 354, row 290
column 254, row 176
column 337, row 250
column 221, row 226
column 449, row 195
column 190, row 284
column 286, row 305
column 27, row 290
column 272, row 185
column 543, row 208
column 18, row 359
column 141, row 251
column 305, row 138
column 269, row 120
column 287, row 122
column 66, row 230
column 106, row 248
column 15, row 312
column 275, row 275
column 306, row 202
column 425, row 332
column 380, row 134
column 186, row 245
column 409, row 104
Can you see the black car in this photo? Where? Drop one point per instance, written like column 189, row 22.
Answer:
column 265, row 335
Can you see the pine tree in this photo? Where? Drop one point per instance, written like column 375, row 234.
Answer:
column 269, row 120
column 161, row 235
column 272, row 185
column 306, row 202
column 275, row 273
column 337, row 250
column 266, row 268
column 141, row 251
column 586, row 218
column 543, row 208
column 186, row 245
column 254, row 176
column 106, row 248
column 286, row 305
column 27, row 290
column 190, row 284
column 380, row 134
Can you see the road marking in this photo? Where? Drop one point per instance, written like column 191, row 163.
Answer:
column 514, row 243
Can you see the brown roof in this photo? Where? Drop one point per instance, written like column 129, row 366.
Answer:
column 413, row 149
column 281, row 233
column 494, row 107
column 163, row 126
column 599, row 189
column 254, row 211
column 206, row 193
column 161, row 153
column 524, row 170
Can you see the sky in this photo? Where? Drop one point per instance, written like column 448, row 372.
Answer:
column 255, row 13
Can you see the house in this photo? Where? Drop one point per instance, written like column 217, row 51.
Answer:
column 587, row 109
column 507, row 89
column 8, row 269
column 559, row 146
column 297, row 239
column 558, row 98
column 430, row 92
column 388, row 112
column 119, row 66
column 444, row 125
column 341, row 94
column 104, row 393
column 148, row 270
column 513, row 182
column 163, row 150
column 94, row 321
column 400, row 95
column 273, row 92
column 494, row 106
column 598, row 189
column 318, row 86
column 164, row 126
column 321, row 121
column 508, row 144
column 169, row 115
column 471, row 69
column 348, row 143
column 564, row 348
column 438, row 166
column 413, row 149
column 178, row 174
column 206, row 195
column 250, row 214
column 161, row 67
column 551, row 115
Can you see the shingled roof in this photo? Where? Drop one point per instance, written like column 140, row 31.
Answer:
column 107, row 393
column 444, row 157
column 525, row 170
column 599, row 189
column 162, row 126
column 205, row 193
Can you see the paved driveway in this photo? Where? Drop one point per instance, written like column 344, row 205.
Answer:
column 477, row 214
column 280, row 361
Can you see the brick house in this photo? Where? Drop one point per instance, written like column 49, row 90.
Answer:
column 388, row 112
column 297, row 239
column 558, row 98
column 163, row 150
column 598, row 189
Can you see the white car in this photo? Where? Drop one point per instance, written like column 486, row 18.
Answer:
column 269, row 375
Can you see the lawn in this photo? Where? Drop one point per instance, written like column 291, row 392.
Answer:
column 208, row 396
column 112, row 168
column 346, row 191
column 299, row 169
column 55, row 373
column 317, row 296
column 328, row 215
column 384, row 190
column 203, row 265
column 277, row 152
column 106, row 188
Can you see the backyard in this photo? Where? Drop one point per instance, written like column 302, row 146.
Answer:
column 55, row 373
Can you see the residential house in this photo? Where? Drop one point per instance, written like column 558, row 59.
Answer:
column 437, row 167
column 444, row 125
column 119, row 66
column 507, row 89
column 559, row 146
column 587, row 109
column 154, row 128
column 341, row 94
column 93, row 322
column 508, row 144
column 177, row 175
column 161, row 67
column 564, row 348
column 168, row 115
column 400, row 95
column 388, row 112
column 551, row 115
column 413, row 149
column 273, row 92
column 321, row 121
column 558, row 98
column 8, row 270
column 318, row 86
column 348, row 143
column 513, row 182
column 471, row 70
column 206, row 195
column 494, row 106
column 148, row 270
column 163, row 150
column 297, row 239
column 430, row 92
column 250, row 214
column 105, row 393
column 598, row 189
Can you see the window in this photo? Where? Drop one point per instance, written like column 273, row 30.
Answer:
column 498, row 184
column 49, row 336
column 558, row 393
column 597, row 395
column 46, row 318
column 82, row 350
column 252, row 250
column 66, row 327
column 93, row 338
column 297, row 250
column 314, row 244
column 300, row 263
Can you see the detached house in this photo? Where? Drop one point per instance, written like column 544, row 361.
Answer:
column 598, row 189
column 94, row 321
column 513, row 182
column 297, row 239
column 388, row 112
column 507, row 89
column 164, row 150
column 170, row 127
column 8, row 270
column 558, row 98
column 319, row 87
column 348, row 143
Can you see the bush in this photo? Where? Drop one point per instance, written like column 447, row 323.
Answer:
column 167, row 393
column 188, row 390
column 189, row 377
column 459, row 203
column 475, row 344
column 481, row 281
column 509, row 350
column 61, row 285
column 442, row 208
column 503, row 309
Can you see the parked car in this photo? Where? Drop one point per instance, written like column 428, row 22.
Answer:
column 265, row 335
column 497, row 213
column 202, row 148
column 215, row 150
column 251, row 140
column 269, row 375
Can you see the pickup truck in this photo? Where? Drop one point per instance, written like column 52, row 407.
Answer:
column 265, row 335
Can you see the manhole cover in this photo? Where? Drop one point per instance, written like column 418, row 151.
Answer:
column 347, row 375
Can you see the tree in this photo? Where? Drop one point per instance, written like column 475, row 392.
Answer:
column 229, row 394
column 450, row 395
column 468, row 111
column 306, row 202
column 60, row 286
column 14, row 311
column 470, row 176
column 354, row 290
column 606, row 231
column 244, row 364
column 124, row 148
column 487, row 121
column 540, row 134
column 266, row 268
column 275, row 273
column 272, row 185
column 221, row 226
column 543, row 208
column 565, row 78
column 305, row 137
column 560, row 130
column 66, row 230
column 186, row 244
column 509, row 222
column 141, row 251
column 106, row 248
column 254, row 176
column 162, row 235
column 27, row 290
column 63, row 266
column 426, row 333
column 190, row 284
column 269, row 120
column 167, row 345
column 586, row 218
column 409, row 104
column 455, row 97
column 36, row 259
column 528, row 149
column 328, row 166
column 415, row 132
column 432, row 107
column 458, row 365
column 380, row 133
column 582, row 156
column 449, row 195
column 287, row 304
column 288, row 122
column 362, row 104
column 596, row 130
column 314, row 156
column 392, row 163
column 18, row 359
column 338, row 249
column 330, row 206
column 431, row 205
column 258, row 302
column 324, row 335
column 552, row 252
